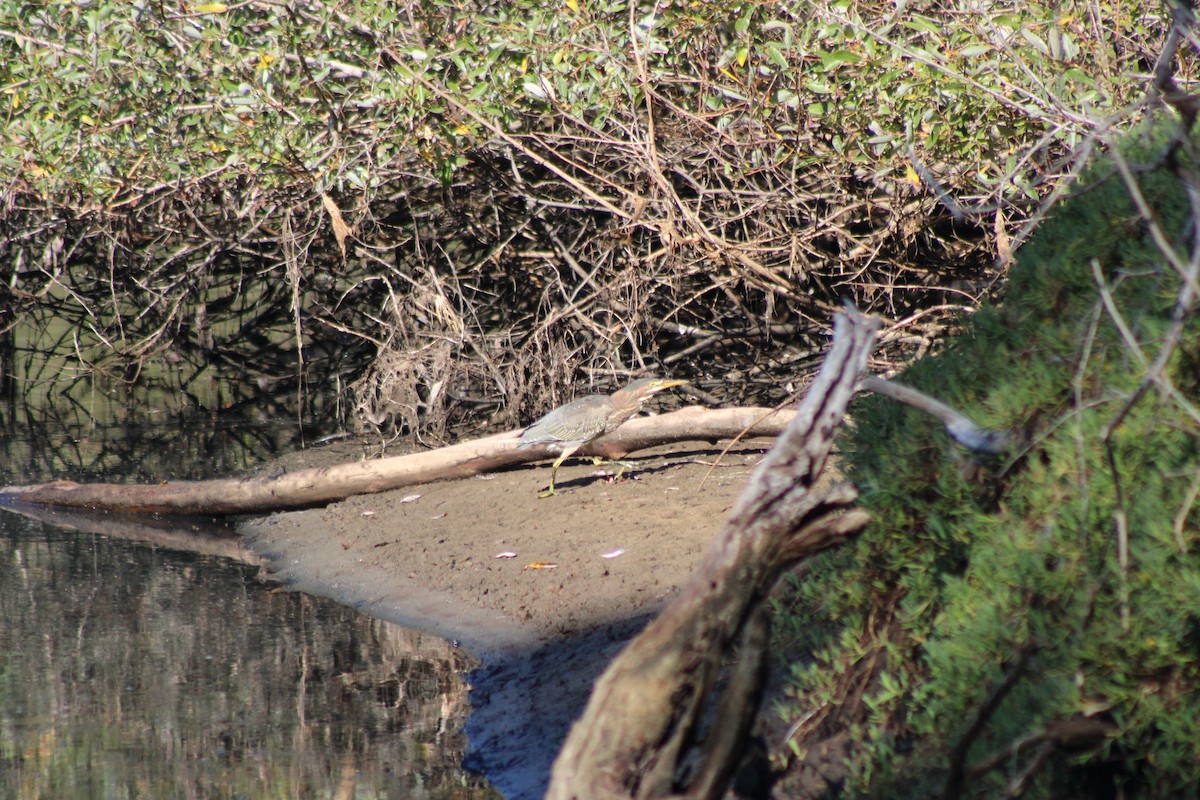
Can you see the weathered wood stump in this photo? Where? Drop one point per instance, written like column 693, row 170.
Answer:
column 645, row 732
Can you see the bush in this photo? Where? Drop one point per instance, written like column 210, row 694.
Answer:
column 1052, row 594
column 532, row 193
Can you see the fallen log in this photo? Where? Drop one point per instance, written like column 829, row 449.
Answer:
column 646, row 731
column 314, row 487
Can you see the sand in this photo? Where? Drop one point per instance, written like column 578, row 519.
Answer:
column 543, row 592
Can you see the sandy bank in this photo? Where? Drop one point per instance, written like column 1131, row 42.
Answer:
column 428, row 557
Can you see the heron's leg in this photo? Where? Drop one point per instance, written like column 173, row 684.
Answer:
column 554, row 473
column 624, row 465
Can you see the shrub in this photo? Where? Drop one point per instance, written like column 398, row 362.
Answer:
column 533, row 190
column 1055, row 590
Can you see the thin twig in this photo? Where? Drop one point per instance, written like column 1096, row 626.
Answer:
column 1184, row 510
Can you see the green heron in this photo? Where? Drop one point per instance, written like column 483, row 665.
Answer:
column 568, row 428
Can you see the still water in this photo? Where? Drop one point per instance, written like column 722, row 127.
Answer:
column 147, row 659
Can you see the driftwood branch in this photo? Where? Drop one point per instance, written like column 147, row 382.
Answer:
column 960, row 427
column 643, row 727
column 313, row 487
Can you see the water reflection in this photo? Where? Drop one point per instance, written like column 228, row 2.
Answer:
column 163, row 671
column 130, row 672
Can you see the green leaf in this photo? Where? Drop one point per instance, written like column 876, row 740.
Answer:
column 775, row 55
column 743, row 23
column 975, row 50
column 836, row 59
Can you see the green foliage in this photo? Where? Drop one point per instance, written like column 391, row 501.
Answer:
column 105, row 98
column 964, row 569
column 108, row 99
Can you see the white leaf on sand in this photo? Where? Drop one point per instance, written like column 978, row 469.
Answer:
column 613, row 554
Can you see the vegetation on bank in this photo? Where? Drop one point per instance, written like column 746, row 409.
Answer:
column 529, row 195
column 1032, row 625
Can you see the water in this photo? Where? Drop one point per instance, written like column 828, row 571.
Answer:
column 149, row 658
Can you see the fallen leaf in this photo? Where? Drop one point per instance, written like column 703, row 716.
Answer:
column 340, row 229
column 368, row 513
column 411, row 498
column 541, row 565
column 911, row 176
column 506, row 554
column 613, row 554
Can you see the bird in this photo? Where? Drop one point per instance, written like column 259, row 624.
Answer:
column 571, row 426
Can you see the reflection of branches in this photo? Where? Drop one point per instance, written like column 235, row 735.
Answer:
column 87, row 433
column 142, row 636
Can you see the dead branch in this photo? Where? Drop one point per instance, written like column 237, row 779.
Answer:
column 958, row 756
column 642, row 726
column 958, row 425
column 312, row 487
column 1075, row 735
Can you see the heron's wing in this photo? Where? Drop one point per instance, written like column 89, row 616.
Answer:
column 578, row 421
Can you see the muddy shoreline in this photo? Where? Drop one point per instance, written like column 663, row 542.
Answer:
column 542, row 592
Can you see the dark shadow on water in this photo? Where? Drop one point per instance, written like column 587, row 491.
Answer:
column 525, row 703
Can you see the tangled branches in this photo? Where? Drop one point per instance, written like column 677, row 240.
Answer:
column 459, row 213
